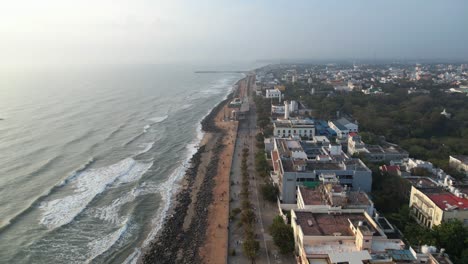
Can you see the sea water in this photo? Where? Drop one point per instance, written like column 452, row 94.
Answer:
column 89, row 157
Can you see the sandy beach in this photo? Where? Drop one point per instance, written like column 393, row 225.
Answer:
column 195, row 229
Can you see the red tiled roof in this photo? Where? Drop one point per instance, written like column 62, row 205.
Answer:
column 444, row 200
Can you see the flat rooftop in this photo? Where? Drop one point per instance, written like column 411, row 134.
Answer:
column 421, row 182
column 317, row 165
column 376, row 149
column 324, row 224
column 355, row 164
column 311, row 196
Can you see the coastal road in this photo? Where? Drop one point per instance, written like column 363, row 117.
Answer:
column 264, row 211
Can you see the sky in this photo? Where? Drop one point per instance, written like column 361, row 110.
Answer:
column 153, row 31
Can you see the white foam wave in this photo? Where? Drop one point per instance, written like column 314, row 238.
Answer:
column 111, row 213
column 168, row 187
column 158, row 119
column 133, row 258
column 88, row 184
column 145, row 128
column 147, row 147
column 101, row 245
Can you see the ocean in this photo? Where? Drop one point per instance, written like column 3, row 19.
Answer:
column 89, row 157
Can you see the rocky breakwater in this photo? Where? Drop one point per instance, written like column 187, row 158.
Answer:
column 174, row 243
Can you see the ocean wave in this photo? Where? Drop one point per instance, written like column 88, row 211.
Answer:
column 80, row 138
column 110, row 213
column 158, row 119
column 148, row 146
column 168, row 187
column 114, row 132
column 35, row 171
column 133, row 258
column 101, row 245
column 41, row 197
column 87, row 185
column 133, row 139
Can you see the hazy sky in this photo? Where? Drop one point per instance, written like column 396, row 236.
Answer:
column 152, row 31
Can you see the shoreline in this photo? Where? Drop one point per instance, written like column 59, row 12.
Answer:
column 185, row 224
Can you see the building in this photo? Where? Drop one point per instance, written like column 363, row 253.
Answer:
column 294, row 127
column 411, row 163
column 431, row 204
column 375, row 153
column 459, row 162
column 341, row 237
column 281, row 88
column 297, row 163
column 343, row 127
column 332, row 197
column 273, row 93
column 277, row 109
column 393, row 170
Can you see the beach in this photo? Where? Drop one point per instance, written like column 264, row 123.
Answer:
column 196, row 228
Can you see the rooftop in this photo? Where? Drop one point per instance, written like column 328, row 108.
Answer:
column 422, row 182
column 311, row 196
column 355, row 164
column 324, row 224
column 339, row 196
column 448, row 201
column 317, row 165
column 390, row 168
column 461, row 158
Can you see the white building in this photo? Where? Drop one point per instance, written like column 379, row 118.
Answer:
column 294, row 127
column 415, row 163
column 293, row 106
column 277, row 109
column 459, row 162
column 273, row 93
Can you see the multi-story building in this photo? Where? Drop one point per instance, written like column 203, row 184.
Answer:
column 333, row 197
column 375, row 153
column 294, row 127
column 431, row 204
column 297, row 163
column 342, row 237
column 343, row 127
column 272, row 93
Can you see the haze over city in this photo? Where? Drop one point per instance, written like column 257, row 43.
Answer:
column 108, row 32
column 242, row 131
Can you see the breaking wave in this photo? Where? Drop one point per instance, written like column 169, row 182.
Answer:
column 158, row 119
column 87, row 185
